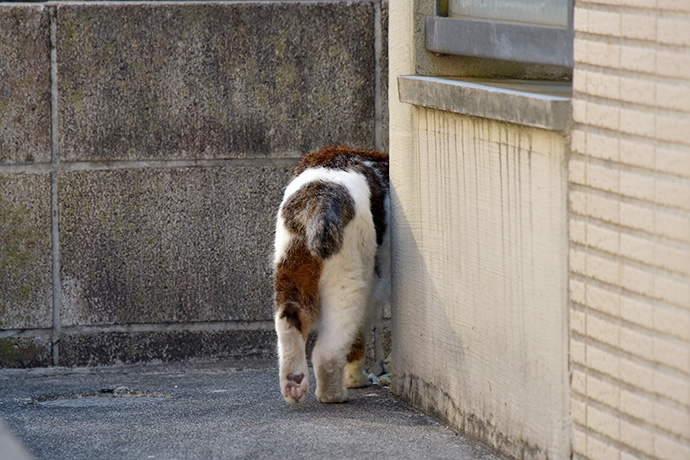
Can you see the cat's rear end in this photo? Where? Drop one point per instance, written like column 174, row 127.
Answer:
column 331, row 268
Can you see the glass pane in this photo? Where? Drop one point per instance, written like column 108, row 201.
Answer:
column 542, row 12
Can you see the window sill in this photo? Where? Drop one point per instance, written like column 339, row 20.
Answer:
column 541, row 104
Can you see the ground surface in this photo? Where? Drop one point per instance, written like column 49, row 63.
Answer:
column 206, row 411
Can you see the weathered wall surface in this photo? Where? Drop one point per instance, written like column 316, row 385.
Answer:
column 479, row 319
column 480, row 266
column 143, row 151
column 630, row 231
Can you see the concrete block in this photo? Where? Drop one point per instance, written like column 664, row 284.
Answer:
column 604, row 269
column 578, row 291
column 672, row 387
column 637, row 153
column 603, row 361
column 673, row 31
column 603, row 392
column 673, row 193
column 637, row 58
column 636, row 405
column 214, row 80
column 24, row 84
column 672, row 64
column 603, row 116
column 603, row 422
column 604, row 300
column 177, row 245
column 605, row 146
column 20, row 352
column 604, row 450
column 638, row 280
column 638, row 122
column 674, row 290
column 578, row 352
column 579, row 441
column 667, row 447
column 600, row 206
column 98, row 349
column 637, row 374
column 637, row 343
column 637, row 312
column 674, row 96
column 603, row 85
column 603, row 330
column 671, row 322
column 578, row 141
column 637, row 91
column 635, row 436
column 637, row 216
column 639, row 26
column 25, row 251
column 672, row 225
column 604, row 23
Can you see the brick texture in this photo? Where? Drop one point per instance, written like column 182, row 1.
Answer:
column 629, row 230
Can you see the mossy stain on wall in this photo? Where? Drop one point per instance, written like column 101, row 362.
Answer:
column 17, row 352
column 19, row 241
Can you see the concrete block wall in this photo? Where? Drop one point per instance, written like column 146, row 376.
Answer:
column 629, row 226
column 144, row 148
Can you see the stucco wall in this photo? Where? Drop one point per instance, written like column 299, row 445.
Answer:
column 480, row 267
column 630, row 230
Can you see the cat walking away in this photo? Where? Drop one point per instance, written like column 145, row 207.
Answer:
column 331, row 268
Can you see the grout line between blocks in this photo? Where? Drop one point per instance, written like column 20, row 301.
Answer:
column 192, row 326
column 104, row 165
column 378, row 55
column 55, row 163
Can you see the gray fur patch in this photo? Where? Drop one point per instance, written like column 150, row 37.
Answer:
column 319, row 212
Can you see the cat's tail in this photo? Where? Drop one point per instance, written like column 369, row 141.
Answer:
column 319, row 212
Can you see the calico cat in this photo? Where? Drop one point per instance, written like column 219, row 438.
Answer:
column 331, row 268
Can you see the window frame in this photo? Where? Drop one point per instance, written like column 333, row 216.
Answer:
column 519, row 42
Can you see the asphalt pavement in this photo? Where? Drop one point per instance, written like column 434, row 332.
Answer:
column 212, row 410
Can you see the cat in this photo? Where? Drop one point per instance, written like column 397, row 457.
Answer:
column 331, row 269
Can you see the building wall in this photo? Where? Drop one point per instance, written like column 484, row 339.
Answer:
column 144, row 148
column 629, row 227
column 479, row 264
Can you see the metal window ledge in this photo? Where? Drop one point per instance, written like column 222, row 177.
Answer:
column 541, row 104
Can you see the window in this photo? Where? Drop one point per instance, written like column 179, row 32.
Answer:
column 532, row 31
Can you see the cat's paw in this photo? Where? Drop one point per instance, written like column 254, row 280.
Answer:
column 331, row 395
column 355, row 377
column 294, row 387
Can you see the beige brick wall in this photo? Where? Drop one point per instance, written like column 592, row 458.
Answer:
column 629, row 230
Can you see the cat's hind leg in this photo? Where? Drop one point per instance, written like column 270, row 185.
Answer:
column 355, row 375
column 329, row 363
column 294, row 373
column 296, row 288
column 342, row 315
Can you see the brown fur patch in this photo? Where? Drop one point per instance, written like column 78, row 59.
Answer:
column 357, row 350
column 296, row 285
column 343, row 158
column 378, row 189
